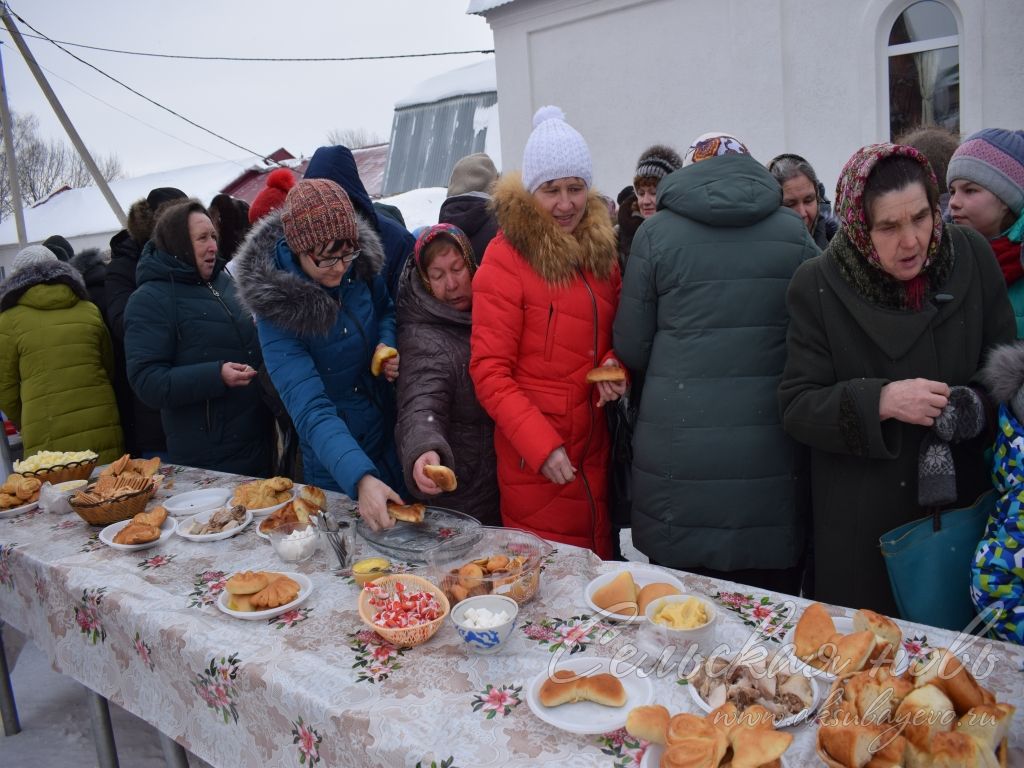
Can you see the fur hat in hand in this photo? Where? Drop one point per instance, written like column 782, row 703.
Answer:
column 317, row 212
column 994, row 159
column 33, row 254
column 271, row 197
column 555, row 150
column 1003, row 374
column 656, row 163
column 473, row 173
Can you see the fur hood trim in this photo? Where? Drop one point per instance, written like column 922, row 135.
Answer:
column 553, row 254
column 288, row 298
column 1003, row 373
column 87, row 259
column 48, row 272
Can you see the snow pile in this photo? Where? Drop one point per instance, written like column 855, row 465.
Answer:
column 419, row 207
column 474, row 78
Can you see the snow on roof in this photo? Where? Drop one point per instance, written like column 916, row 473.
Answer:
column 475, row 78
column 84, row 211
column 480, row 6
column 419, row 207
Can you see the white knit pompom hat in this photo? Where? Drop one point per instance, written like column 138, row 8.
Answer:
column 34, row 254
column 555, row 150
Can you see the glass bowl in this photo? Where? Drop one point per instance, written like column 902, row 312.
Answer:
column 499, row 561
column 295, row 542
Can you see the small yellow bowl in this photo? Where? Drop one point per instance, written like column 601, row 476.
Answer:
column 370, row 568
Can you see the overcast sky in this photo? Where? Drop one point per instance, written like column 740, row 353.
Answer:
column 260, row 105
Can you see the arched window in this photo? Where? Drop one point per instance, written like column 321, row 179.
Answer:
column 924, row 69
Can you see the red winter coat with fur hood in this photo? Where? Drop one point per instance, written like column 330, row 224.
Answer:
column 543, row 305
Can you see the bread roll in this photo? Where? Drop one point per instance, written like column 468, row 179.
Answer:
column 379, row 357
column 246, row 582
column 944, row 670
column 724, row 718
column 652, row 592
column 958, row 750
column 314, row 496
column 408, row 513
column 925, row 712
column 849, row 745
column 566, row 687
column 686, row 725
column 618, row 596
column 280, row 591
column 137, row 533
column 852, row 652
column 812, row 631
column 753, row 747
column 606, row 373
column 649, row 722
column 987, row 724
column 155, row 517
column 888, row 636
column 442, row 477
column 694, row 752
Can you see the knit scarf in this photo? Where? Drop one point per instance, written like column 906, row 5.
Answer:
column 1008, row 253
column 882, row 290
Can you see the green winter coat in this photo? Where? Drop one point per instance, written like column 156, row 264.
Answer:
column 716, row 481
column 179, row 331
column 56, row 364
column 842, row 350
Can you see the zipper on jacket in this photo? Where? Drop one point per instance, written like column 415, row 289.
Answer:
column 231, row 317
column 549, row 341
column 590, row 433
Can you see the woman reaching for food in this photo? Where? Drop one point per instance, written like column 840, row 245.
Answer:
column 310, row 273
column 543, row 303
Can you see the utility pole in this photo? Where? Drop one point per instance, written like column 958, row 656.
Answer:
column 12, row 162
column 65, row 121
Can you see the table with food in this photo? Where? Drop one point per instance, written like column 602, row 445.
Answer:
column 261, row 622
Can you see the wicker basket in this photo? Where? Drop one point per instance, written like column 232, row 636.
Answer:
column 115, row 510
column 76, row 470
column 405, row 637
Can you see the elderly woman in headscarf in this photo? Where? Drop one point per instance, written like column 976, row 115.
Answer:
column 440, row 421
column 311, row 274
column 544, row 299
column 888, row 330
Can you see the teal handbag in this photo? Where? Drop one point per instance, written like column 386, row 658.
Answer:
column 929, row 563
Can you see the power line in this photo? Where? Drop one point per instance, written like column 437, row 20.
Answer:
column 137, row 93
column 257, row 58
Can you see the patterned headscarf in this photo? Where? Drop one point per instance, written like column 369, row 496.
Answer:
column 448, row 232
column 850, row 197
column 712, row 145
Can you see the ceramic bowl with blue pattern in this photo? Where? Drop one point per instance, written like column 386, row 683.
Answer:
column 485, row 639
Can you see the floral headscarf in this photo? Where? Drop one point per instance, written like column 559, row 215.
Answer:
column 448, row 232
column 850, row 197
column 712, row 145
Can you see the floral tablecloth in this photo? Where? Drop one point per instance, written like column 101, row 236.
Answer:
column 315, row 687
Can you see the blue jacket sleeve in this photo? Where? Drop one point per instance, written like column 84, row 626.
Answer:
column 384, row 308
column 150, row 349
column 315, row 417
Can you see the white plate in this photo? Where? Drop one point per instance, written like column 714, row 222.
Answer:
column 186, row 525
column 641, row 575
column 108, row 533
column 817, row 691
column 15, row 511
column 305, row 589
column 586, row 716
column 194, row 502
column 268, row 510
column 652, row 757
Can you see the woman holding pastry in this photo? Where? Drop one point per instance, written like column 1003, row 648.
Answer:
column 543, row 303
column 310, row 273
column 888, row 331
column 191, row 349
column 445, row 438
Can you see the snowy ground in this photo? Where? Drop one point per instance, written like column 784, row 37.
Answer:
column 55, row 726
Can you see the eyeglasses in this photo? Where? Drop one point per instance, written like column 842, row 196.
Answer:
column 324, row 262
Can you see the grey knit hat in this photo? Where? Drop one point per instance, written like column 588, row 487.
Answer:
column 473, row 173
column 34, row 254
column 656, row 163
column 555, row 150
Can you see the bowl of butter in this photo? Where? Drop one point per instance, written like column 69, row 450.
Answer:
column 682, row 621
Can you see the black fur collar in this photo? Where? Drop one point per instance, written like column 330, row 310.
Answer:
column 49, row 272
column 288, row 300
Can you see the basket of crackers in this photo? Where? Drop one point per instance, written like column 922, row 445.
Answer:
column 405, row 610
column 122, row 490
column 58, row 466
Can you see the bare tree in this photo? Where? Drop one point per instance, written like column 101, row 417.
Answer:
column 45, row 166
column 354, row 138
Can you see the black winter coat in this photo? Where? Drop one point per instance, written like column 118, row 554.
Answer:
column 143, row 432
column 472, row 214
column 437, row 405
column 179, row 331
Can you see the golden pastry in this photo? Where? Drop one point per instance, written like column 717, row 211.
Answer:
column 137, row 533
column 247, row 582
column 155, row 516
column 278, row 592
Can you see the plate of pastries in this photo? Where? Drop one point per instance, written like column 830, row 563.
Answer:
column 307, row 504
column 19, row 494
column 723, row 737
column 624, row 595
column 933, row 714
column 829, row 646
column 262, row 497
column 583, row 695
column 145, row 530
column 256, row 595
